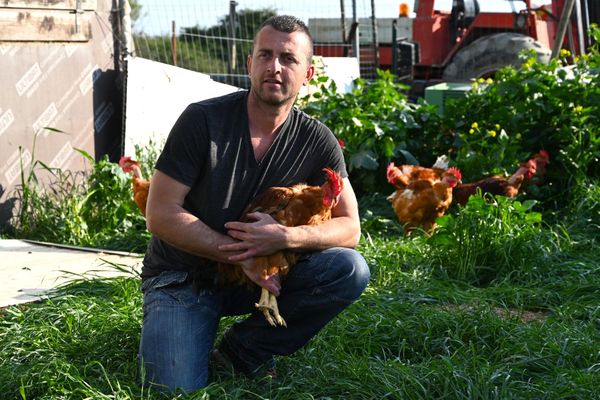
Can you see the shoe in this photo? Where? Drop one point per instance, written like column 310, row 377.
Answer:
column 223, row 362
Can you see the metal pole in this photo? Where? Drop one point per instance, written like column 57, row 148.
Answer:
column 395, row 47
column 173, row 43
column 231, row 39
column 580, row 27
column 375, row 36
column 343, row 16
column 563, row 24
column 356, row 44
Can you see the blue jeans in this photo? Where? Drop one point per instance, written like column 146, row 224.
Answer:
column 180, row 324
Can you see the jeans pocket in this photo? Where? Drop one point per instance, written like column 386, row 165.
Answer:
column 163, row 280
column 170, row 287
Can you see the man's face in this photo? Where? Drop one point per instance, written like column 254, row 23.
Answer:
column 279, row 65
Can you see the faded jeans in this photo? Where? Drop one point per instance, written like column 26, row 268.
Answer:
column 180, row 324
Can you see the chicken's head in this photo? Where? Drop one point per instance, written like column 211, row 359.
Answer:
column 332, row 188
column 452, row 177
column 126, row 163
column 392, row 173
column 542, row 158
column 130, row 166
column 529, row 168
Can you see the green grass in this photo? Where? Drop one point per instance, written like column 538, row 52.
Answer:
column 530, row 331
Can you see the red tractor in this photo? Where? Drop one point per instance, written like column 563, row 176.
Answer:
column 471, row 43
column 472, row 40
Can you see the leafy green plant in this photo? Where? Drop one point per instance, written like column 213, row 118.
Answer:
column 375, row 122
column 93, row 209
column 490, row 237
column 555, row 107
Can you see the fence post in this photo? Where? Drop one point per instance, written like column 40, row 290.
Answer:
column 173, row 43
column 232, row 56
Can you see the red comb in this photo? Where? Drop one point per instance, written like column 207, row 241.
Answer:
column 456, row 172
column 126, row 163
column 337, row 184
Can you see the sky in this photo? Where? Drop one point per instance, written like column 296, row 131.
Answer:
column 158, row 14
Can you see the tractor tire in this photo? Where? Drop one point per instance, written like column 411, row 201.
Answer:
column 489, row 54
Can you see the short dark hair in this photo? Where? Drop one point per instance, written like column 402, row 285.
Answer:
column 287, row 24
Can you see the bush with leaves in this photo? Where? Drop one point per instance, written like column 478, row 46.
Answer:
column 555, row 107
column 375, row 123
column 494, row 128
column 94, row 208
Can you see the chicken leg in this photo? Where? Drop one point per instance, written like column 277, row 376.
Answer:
column 268, row 305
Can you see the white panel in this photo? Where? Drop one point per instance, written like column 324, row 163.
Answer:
column 157, row 94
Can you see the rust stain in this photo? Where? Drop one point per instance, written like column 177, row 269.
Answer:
column 23, row 16
column 47, row 24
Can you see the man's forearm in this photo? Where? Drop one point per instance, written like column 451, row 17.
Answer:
column 183, row 230
column 337, row 232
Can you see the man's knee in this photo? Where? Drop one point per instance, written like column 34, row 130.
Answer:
column 352, row 272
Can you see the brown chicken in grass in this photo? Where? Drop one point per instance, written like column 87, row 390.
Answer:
column 290, row 206
column 140, row 185
column 496, row 185
column 422, row 201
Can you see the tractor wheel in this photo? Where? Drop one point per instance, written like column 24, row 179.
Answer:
column 488, row 54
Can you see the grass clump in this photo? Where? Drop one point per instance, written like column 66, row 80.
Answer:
column 91, row 208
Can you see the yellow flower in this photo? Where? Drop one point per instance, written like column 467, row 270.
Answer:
column 474, row 125
column 471, row 131
column 489, row 81
column 481, row 80
column 578, row 109
column 492, row 133
column 564, row 53
column 497, row 127
column 528, row 64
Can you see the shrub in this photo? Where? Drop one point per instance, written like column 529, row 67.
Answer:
column 556, row 107
column 92, row 208
column 376, row 123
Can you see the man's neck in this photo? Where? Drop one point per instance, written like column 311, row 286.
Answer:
column 265, row 119
column 264, row 122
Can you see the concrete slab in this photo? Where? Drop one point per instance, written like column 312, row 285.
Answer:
column 30, row 270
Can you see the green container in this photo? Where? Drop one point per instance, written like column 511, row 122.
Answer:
column 440, row 93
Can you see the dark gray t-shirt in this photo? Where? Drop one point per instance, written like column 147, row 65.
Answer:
column 209, row 150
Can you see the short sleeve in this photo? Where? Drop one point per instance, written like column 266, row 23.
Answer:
column 185, row 152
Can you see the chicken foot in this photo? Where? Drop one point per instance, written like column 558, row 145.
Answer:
column 268, row 305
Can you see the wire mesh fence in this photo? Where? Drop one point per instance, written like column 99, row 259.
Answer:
column 215, row 37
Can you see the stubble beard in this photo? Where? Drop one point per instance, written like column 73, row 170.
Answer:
column 273, row 101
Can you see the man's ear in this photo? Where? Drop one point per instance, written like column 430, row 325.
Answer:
column 310, row 72
column 249, row 63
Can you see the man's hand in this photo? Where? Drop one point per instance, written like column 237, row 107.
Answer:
column 259, row 276
column 261, row 237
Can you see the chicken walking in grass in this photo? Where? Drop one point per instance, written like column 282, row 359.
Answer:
column 290, row 206
column 140, row 185
column 422, row 201
column 500, row 185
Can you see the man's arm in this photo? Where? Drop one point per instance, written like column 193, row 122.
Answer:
column 266, row 236
column 167, row 219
